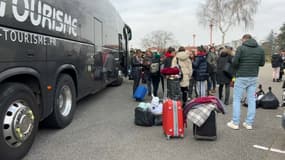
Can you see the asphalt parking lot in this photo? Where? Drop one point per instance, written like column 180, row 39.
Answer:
column 103, row 129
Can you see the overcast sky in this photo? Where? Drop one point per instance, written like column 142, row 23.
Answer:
column 179, row 17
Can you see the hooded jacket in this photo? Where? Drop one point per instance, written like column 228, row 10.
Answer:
column 182, row 59
column 249, row 56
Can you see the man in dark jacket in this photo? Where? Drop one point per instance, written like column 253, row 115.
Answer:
column 276, row 62
column 249, row 57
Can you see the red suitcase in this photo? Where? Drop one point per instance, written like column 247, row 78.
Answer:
column 172, row 119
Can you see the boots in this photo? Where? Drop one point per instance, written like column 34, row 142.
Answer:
column 221, row 91
column 227, row 94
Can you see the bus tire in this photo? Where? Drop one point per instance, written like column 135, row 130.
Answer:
column 118, row 82
column 64, row 103
column 19, row 119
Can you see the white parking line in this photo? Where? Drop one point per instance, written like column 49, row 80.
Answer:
column 261, row 147
column 279, row 116
column 269, row 149
column 277, row 150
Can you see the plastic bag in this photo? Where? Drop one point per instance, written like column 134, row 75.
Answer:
column 155, row 106
column 269, row 101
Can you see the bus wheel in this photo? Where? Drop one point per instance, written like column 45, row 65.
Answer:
column 64, row 103
column 19, row 119
column 119, row 81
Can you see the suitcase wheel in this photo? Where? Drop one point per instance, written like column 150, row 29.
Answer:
column 168, row 137
column 182, row 136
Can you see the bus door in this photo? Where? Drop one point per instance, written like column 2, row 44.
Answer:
column 112, row 62
column 127, row 35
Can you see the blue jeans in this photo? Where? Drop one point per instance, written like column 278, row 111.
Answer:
column 249, row 84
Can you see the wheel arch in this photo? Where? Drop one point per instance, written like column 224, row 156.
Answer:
column 71, row 71
column 27, row 76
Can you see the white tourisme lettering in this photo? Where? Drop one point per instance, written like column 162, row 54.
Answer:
column 2, row 8
column 26, row 37
column 42, row 14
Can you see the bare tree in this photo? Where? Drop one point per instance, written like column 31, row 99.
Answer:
column 227, row 13
column 159, row 39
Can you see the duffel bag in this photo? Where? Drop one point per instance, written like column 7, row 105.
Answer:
column 143, row 117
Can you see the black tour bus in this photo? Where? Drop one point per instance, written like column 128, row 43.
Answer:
column 52, row 53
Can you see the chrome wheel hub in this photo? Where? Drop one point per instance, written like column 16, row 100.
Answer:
column 18, row 123
column 65, row 101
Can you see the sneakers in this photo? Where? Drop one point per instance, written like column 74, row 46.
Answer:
column 232, row 125
column 248, row 127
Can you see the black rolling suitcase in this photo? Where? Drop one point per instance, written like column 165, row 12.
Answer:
column 208, row 130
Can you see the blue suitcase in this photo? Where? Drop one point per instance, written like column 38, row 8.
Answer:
column 140, row 93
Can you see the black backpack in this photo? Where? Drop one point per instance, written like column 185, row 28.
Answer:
column 269, row 100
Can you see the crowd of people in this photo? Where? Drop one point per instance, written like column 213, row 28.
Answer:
column 201, row 70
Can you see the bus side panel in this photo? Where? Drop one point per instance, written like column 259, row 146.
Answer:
column 81, row 57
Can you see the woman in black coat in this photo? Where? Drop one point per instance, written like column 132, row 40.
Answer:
column 222, row 78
